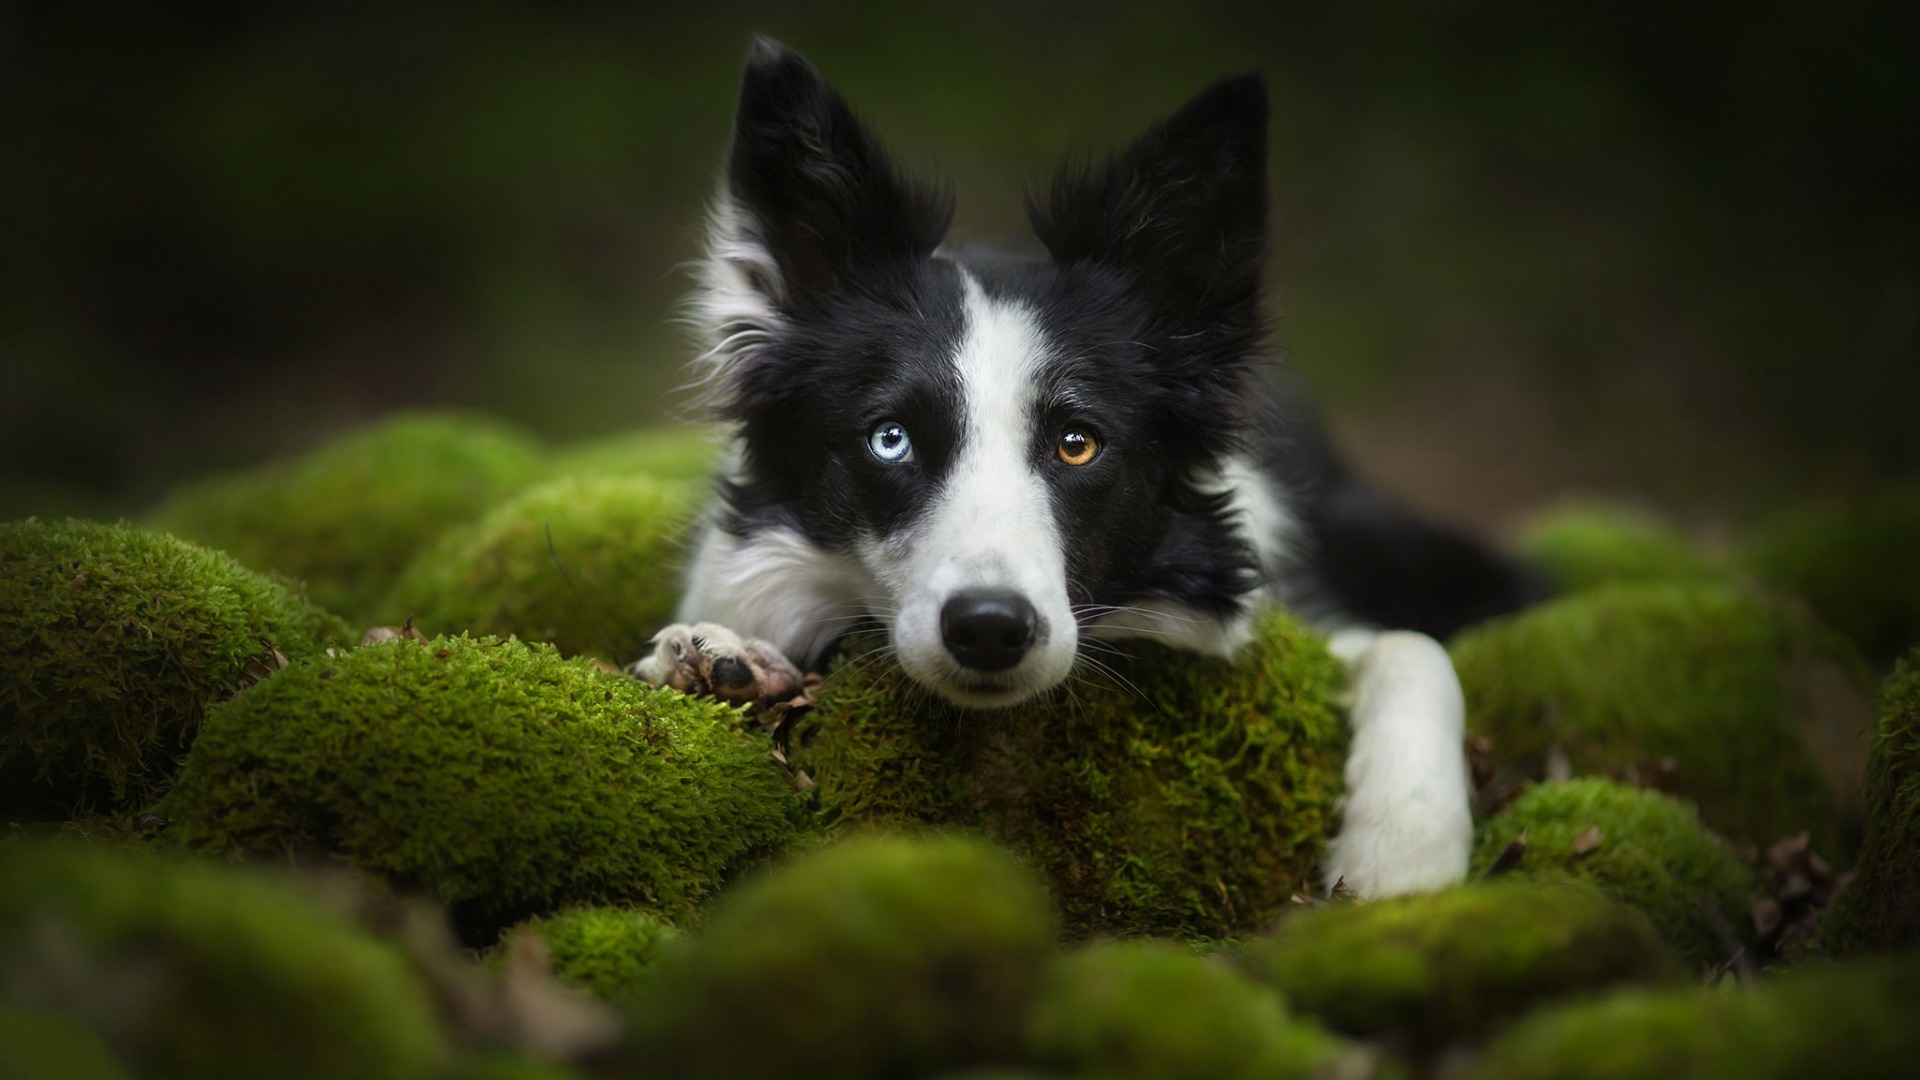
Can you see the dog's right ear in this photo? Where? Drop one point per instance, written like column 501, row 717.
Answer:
column 809, row 197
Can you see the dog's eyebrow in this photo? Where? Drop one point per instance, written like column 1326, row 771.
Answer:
column 1058, row 395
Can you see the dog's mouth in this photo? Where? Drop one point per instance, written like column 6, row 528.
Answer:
column 977, row 693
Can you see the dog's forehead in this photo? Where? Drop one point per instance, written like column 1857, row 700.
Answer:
column 1073, row 305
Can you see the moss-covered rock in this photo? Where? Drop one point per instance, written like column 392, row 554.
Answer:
column 1852, row 1021
column 1168, row 794
column 1584, row 546
column 1640, row 848
column 113, row 641
column 879, row 956
column 1449, row 965
column 1145, row 1010
column 590, row 564
column 1856, row 566
column 1879, row 910
column 507, row 780
column 667, row 453
column 204, row 972
column 35, row 1043
column 602, row 950
column 349, row 516
column 508, row 1067
column 1694, row 688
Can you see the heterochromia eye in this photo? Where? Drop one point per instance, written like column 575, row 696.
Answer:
column 1077, row 446
column 890, row 443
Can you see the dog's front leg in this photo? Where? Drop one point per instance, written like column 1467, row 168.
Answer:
column 707, row 659
column 1406, row 826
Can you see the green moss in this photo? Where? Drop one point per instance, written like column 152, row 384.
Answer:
column 1171, row 794
column 1144, row 1010
column 190, row 970
column 1449, row 965
column 1853, row 1021
column 603, row 950
column 1585, row 546
column 589, row 564
column 1652, row 853
column 347, row 517
column 879, row 956
column 1857, row 567
column 113, row 641
column 670, row 453
column 505, row 779
column 41, row 1044
column 1879, row 910
column 1688, row 686
column 508, row 1067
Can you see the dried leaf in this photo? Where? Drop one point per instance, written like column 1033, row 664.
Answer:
column 1790, row 853
column 1587, row 841
column 377, row 634
column 260, row 667
column 1509, row 857
column 1342, row 893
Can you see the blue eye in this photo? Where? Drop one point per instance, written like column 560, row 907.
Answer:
column 890, row 443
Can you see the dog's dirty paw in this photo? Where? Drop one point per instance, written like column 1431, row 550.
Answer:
column 703, row 658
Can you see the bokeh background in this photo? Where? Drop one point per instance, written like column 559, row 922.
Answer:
column 1666, row 252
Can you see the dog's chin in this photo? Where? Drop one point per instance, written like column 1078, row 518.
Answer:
column 981, row 690
column 985, row 693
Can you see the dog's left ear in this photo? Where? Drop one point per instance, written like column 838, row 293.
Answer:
column 1183, row 210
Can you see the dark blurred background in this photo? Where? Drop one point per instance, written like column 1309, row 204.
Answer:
column 1652, row 250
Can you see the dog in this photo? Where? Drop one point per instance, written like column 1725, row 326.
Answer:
column 1000, row 457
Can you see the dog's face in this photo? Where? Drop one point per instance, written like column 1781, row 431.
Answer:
column 1010, row 449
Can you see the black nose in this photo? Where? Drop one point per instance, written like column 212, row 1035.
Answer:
column 988, row 630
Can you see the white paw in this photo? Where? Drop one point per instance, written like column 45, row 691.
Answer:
column 708, row 659
column 1405, row 825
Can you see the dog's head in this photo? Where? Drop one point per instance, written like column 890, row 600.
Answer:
column 1011, row 449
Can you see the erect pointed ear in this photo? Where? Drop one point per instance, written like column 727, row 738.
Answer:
column 809, row 196
column 1183, row 210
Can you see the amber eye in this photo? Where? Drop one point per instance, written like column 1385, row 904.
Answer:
column 1077, row 446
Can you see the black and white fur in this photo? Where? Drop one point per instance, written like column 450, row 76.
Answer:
column 838, row 329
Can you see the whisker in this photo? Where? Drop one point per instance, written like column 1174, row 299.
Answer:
column 1123, row 683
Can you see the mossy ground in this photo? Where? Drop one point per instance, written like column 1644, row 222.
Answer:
column 347, row 517
column 1172, row 794
column 1879, row 910
column 603, row 950
column 1584, row 546
column 1856, row 566
column 1838, row 1022
column 591, row 564
column 1447, row 967
column 879, row 956
column 203, row 972
column 1160, row 795
column 1146, row 1010
column 1686, row 686
column 503, row 778
column 113, row 643
column 1641, row 848
column 38, row 1043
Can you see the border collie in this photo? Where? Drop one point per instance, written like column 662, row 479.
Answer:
column 999, row 457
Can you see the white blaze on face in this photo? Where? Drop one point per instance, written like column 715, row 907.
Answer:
column 992, row 526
